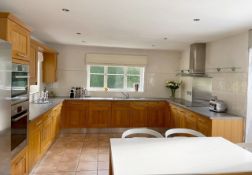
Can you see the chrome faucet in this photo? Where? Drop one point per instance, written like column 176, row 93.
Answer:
column 125, row 94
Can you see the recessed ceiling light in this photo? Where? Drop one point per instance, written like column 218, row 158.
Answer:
column 78, row 33
column 196, row 19
column 65, row 10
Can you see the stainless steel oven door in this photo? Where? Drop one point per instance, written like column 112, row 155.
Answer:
column 20, row 80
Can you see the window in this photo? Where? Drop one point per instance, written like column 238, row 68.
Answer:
column 115, row 78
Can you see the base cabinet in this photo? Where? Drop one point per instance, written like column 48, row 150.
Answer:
column 121, row 113
column 74, row 114
column 156, row 114
column 19, row 164
column 230, row 128
column 42, row 132
column 99, row 114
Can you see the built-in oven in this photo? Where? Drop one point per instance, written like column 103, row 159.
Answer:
column 19, row 124
column 19, row 83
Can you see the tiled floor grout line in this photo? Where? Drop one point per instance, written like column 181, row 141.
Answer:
column 83, row 144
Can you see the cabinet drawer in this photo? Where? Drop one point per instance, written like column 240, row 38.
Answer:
column 97, row 104
column 76, row 102
column 120, row 104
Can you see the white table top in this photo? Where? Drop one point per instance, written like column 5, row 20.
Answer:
column 181, row 155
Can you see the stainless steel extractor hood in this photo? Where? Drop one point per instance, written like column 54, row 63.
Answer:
column 197, row 61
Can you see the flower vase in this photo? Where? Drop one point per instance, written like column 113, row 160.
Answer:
column 173, row 91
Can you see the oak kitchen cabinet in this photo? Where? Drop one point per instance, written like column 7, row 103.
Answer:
column 34, row 144
column 18, row 34
column 19, row 164
column 75, row 114
column 156, row 114
column 138, row 114
column 33, row 65
column 99, row 114
column 121, row 115
column 50, row 67
column 42, row 132
column 230, row 128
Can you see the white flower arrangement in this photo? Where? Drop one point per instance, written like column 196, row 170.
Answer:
column 173, row 84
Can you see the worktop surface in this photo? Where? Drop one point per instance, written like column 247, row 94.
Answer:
column 199, row 108
column 38, row 109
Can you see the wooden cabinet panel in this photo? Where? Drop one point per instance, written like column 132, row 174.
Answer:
column 156, row 114
column 46, row 135
column 99, row 114
column 18, row 34
column 56, row 115
column 33, row 65
column 138, row 114
column 34, row 144
column 75, row 114
column 20, row 40
column 204, row 125
column 190, row 120
column 19, row 165
column 42, row 132
column 50, row 68
column 121, row 114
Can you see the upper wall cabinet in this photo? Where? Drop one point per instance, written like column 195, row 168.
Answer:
column 18, row 34
column 33, row 63
column 50, row 68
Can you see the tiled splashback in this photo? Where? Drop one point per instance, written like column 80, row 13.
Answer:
column 226, row 85
column 162, row 66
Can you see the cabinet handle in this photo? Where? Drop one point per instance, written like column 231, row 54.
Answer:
column 21, row 55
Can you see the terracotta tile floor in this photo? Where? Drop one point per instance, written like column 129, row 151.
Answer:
column 77, row 154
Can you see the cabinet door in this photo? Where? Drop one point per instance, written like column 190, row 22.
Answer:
column 120, row 115
column 50, row 68
column 181, row 118
column 190, row 121
column 174, row 121
column 33, row 65
column 204, row 125
column 46, row 137
column 19, row 164
column 57, row 122
column 138, row 114
column 99, row 114
column 156, row 114
column 75, row 115
column 34, row 143
column 20, row 40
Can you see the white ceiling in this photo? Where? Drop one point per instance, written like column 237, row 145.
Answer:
column 132, row 23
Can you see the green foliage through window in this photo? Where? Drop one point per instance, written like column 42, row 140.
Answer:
column 115, row 77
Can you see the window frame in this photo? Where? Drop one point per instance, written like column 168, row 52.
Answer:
column 125, row 78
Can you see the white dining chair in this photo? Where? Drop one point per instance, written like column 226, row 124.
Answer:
column 173, row 131
column 141, row 131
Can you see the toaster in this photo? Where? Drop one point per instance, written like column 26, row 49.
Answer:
column 217, row 105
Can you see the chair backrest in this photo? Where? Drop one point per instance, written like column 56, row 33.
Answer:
column 183, row 131
column 144, row 131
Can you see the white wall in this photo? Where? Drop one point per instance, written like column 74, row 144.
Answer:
column 249, row 94
column 228, row 86
column 162, row 66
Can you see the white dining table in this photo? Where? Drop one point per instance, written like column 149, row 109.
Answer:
column 177, row 155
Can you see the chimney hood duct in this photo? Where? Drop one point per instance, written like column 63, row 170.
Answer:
column 197, row 59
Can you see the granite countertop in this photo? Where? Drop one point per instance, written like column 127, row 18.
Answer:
column 199, row 108
column 38, row 109
column 117, row 98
